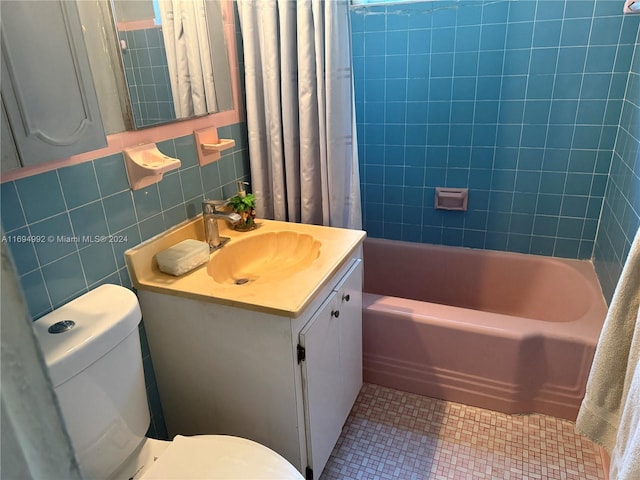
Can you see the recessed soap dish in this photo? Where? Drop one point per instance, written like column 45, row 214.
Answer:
column 146, row 165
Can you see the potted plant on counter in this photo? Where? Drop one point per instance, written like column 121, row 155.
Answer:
column 244, row 204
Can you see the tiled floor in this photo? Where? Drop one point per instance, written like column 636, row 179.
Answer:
column 397, row 435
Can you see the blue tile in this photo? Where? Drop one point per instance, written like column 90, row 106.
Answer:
column 518, row 243
column 534, row 136
column 419, row 41
column 41, row 196
column 396, row 42
column 550, row 9
column 516, row 62
column 540, row 86
column 582, row 161
column 119, row 211
column 601, row 59
column 170, row 189
column 537, row 111
column 542, row 245
column 147, row 202
column 395, row 112
column 570, row 227
column 493, row 37
column 79, row 184
column 88, row 221
column 98, row 262
column 475, row 220
column 124, row 240
column 525, row 203
column 465, row 64
column 374, row 44
column 552, row 182
column 59, row 237
column 464, row 88
column 514, row 87
column 571, row 59
column 559, row 137
column 64, row 279
column 396, row 66
column 605, row 30
column 521, row 36
column 174, row 216
column 22, row 252
column 11, row 211
column 35, row 294
column 452, row 237
column 491, row 63
column 547, row 34
column 111, row 174
column 578, row 184
column 543, row 60
column 442, row 64
column 467, row 38
column 563, row 111
column 574, row 206
column 498, row 222
column 549, row 204
column 575, row 32
column 586, row 136
column 545, row 225
column 151, row 226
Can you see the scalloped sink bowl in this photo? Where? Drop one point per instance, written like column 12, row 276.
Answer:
column 267, row 256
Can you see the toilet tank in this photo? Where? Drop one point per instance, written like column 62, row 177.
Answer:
column 96, row 371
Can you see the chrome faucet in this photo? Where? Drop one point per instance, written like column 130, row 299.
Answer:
column 210, row 216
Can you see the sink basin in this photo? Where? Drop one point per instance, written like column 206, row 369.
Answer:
column 267, row 256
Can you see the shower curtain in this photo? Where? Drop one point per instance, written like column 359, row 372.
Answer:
column 186, row 39
column 300, row 111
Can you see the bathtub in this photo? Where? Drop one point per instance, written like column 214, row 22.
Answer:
column 505, row 331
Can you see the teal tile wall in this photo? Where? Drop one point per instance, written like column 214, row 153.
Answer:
column 65, row 209
column 147, row 73
column 519, row 101
column 621, row 211
column 60, row 208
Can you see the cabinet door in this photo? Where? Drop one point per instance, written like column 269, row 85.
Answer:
column 47, row 87
column 332, row 369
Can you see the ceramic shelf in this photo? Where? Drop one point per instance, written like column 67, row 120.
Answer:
column 209, row 145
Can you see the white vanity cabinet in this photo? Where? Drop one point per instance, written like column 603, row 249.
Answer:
column 286, row 382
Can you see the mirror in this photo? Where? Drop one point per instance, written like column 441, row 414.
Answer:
column 157, row 61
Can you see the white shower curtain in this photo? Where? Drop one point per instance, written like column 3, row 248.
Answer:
column 186, row 39
column 300, row 110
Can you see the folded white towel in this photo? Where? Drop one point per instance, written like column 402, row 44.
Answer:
column 613, row 388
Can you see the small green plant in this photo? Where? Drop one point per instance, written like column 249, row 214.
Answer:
column 246, row 208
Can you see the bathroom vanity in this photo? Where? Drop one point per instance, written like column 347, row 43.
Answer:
column 276, row 358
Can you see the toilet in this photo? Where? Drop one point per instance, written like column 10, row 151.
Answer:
column 92, row 349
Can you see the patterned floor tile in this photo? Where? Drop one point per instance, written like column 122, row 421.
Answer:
column 393, row 435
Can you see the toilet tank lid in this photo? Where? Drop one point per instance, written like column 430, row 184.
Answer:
column 103, row 318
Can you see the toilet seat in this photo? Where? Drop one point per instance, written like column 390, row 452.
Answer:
column 219, row 457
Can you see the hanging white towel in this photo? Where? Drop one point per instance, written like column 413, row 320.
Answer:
column 610, row 411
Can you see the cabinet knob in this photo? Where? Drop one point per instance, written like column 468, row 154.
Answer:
column 346, row 297
column 335, row 313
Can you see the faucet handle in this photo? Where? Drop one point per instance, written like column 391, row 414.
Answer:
column 210, row 206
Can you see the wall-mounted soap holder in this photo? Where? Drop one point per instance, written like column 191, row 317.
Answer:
column 631, row 6
column 209, row 145
column 451, row 198
column 146, row 165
